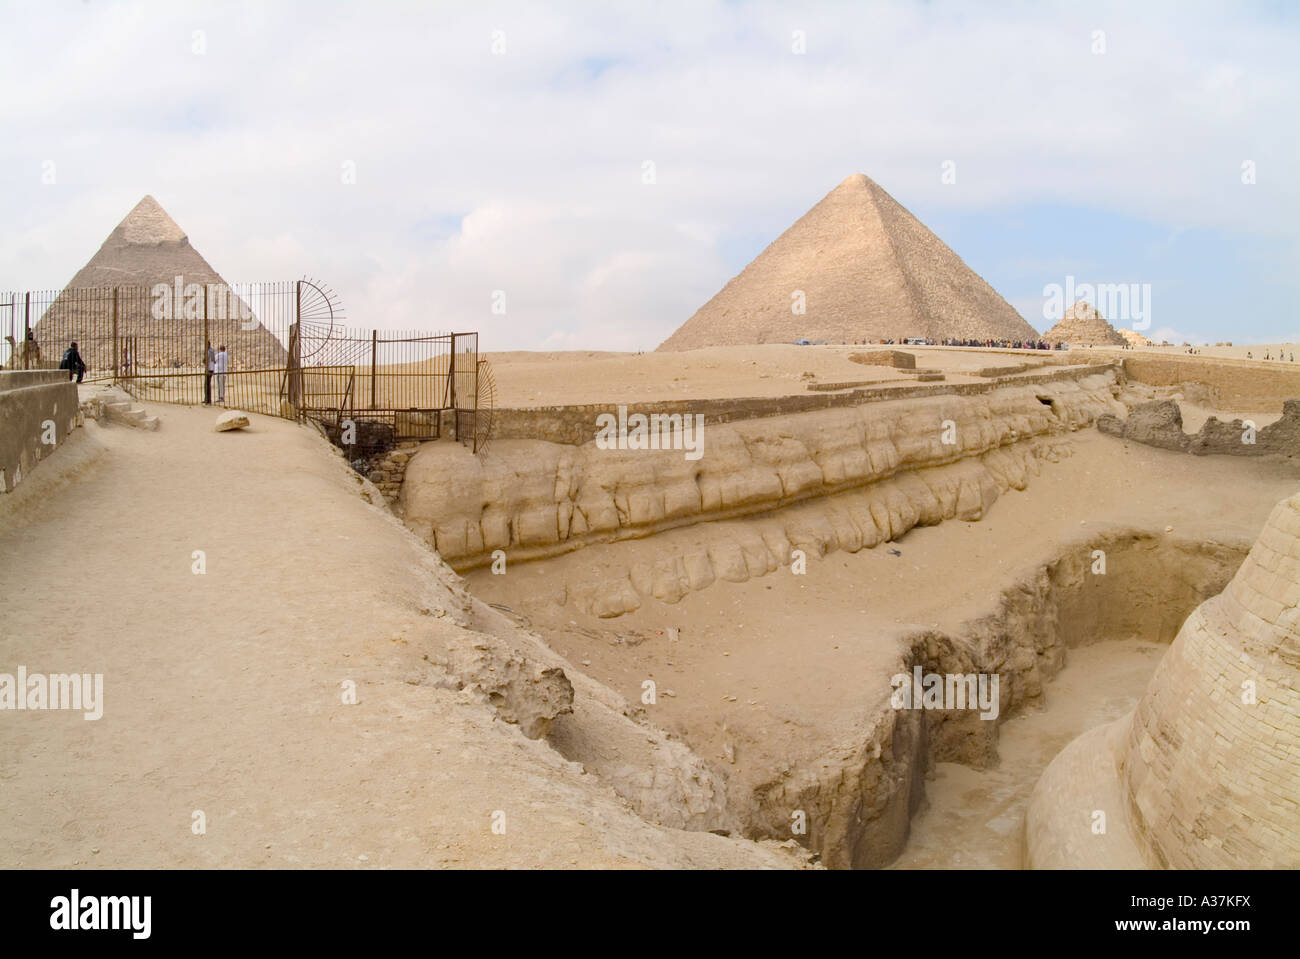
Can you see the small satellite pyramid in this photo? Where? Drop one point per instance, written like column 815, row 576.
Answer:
column 146, row 249
column 1083, row 325
column 857, row 266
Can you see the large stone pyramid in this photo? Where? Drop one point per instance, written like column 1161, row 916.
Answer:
column 1083, row 325
column 148, row 248
column 867, row 269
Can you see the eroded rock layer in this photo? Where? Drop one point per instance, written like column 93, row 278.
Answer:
column 1160, row 423
column 534, row 498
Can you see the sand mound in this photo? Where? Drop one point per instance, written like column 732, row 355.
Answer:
column 867, row 270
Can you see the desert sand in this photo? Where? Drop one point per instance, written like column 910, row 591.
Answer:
column 490, row 693
column 550, row 378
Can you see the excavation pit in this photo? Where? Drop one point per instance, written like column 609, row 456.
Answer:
column 781, row 683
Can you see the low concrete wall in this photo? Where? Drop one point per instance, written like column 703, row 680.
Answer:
column 13, row 379
column 38, row 409
column 575, row 425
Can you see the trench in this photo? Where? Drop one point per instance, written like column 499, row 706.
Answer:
column 1073, row 649
column 913, row 788
column 973, row 818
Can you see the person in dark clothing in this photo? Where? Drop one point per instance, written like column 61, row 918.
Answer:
column 210, row 361
column 73, row 363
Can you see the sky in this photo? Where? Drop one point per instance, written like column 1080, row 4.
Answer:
column 583, row 175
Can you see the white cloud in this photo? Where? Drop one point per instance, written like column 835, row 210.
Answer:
column 540, row 150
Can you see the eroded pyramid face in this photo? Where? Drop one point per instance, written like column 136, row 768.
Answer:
column 148, row 224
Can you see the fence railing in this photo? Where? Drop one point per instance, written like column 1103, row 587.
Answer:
column 288, row 352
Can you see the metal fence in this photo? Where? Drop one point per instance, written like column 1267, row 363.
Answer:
column 288, row 353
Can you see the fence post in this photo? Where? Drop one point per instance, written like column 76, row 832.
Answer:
column 374, row 343
column 451, row 389
column 27, row 326
column 293, row 375
column 207, row 333
column 451, row 373
column 116, row 364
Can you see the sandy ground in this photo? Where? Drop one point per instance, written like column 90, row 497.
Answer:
column 574, row 377
column 223, row 691
column 798, row 652
column 973, row 818
column 1239, row 352
column 539, row 379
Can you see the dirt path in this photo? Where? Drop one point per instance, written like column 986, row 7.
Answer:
column 223, row 691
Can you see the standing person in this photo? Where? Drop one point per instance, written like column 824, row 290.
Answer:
column 220, row 365
column 73, row 363
column 209, row 364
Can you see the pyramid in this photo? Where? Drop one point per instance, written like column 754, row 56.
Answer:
column 147, row 248
column 1083, row 325
column 1134, row 339
column 868, row 270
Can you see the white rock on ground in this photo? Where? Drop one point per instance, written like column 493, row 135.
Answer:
column 231, row 420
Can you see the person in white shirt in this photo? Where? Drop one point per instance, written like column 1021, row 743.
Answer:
column 220, row 365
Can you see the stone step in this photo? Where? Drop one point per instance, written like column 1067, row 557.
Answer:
column 118, row 409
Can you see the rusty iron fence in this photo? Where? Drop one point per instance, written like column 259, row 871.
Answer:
column 288, row 351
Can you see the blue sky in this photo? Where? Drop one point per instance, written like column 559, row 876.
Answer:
column 504, row 146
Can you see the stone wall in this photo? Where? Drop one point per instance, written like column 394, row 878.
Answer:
column 1232, row 385
column 388, row 470
column 576, row 425
column 894, row 358
column 536, row 498
column 35, row 406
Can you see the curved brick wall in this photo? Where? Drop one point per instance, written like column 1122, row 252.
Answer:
column 1212, row 781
